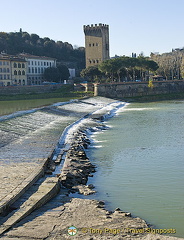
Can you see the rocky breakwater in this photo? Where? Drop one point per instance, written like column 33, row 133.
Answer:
column 77, row 166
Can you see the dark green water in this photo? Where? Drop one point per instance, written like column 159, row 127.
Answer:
column 7, row 107
column 140, row 163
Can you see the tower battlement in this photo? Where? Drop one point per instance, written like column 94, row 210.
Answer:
column 96, row 43
column 96, row 26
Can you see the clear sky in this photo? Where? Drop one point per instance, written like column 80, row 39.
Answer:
column 135, row 25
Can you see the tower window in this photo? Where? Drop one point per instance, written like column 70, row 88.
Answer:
column 97, row 44
column 93, row 44
column 89, row 44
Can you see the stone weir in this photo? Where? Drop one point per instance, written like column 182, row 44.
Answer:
column 77, row 167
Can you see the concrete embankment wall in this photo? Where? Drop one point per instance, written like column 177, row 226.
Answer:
column 11, row 90
column 134, row 89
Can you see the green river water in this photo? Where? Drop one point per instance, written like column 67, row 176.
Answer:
column 140, row 163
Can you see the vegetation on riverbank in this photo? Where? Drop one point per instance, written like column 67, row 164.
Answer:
column 66, row 92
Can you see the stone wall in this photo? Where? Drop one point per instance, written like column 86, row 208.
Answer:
column 134, row 89
column 11, row 90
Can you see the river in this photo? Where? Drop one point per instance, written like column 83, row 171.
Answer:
column 140, row 162
column 139, row 158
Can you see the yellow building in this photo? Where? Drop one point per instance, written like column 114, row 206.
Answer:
column 5, row 70
column 19, row 71
column 13, row 70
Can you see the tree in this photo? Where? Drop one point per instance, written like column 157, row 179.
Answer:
column 91, row 73
column 51, row 74
column 63, row 72
column 129, row 68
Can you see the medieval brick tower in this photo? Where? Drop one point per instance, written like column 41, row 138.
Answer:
column 96, row 43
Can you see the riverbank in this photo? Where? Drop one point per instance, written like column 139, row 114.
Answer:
column 90, row 221
column 155, row 98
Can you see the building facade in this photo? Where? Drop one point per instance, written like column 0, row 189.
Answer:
column 12, row 70
column 96, row 43
column 18, row 71
column 36, row 66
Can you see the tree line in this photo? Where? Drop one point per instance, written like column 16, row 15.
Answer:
column 18, row 42
column 121, row 69
column 171, row 65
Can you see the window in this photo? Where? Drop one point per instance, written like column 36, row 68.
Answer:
column 19, row 72
column 97, row 61
column 89, row 44
column 0, row 63
column 1, row 77
column 15, row 65
column 32, row 62
column 50, row 64
column 29, row 63
column 8, row 76
column 19, row 81
column 4, row 69
column 23, row 82
column 38, row 70
column 32, row 70
column 35, row 63
column 4, row 63
column 23, row 65
column 15, row 72
column 7, row 63
column 29, row 70
column 47, row 64
column 19, row 65
column 4, row 76
column 93, row 44
column 0, row 69
column 44, row 63
column 23, row 72
column 35, row 70
column 38, row 63
column 7, row 70
column 97, row 44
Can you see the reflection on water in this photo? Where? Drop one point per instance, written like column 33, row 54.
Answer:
column 7, row 107
column 140, row 166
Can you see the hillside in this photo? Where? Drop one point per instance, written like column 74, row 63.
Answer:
column 18, row 42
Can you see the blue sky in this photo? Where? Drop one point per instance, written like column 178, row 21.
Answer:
column 135, row 25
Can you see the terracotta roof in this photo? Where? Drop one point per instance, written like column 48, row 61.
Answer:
column 11, row 58
column 27, row 55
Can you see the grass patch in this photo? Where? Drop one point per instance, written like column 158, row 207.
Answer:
column 63, row 92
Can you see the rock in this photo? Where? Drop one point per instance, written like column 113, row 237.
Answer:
column 117, row 209
column 90, row 186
